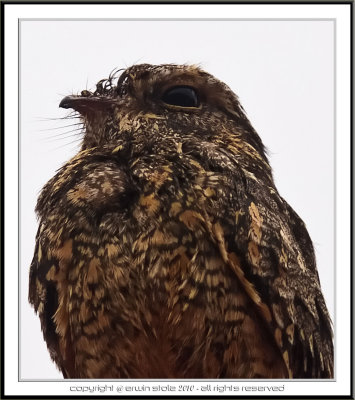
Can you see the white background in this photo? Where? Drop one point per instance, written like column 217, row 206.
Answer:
column 276, row 72
column 283, row 72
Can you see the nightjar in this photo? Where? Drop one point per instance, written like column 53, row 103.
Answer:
column 164, row 249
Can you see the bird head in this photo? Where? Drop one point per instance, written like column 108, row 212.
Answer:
column 159, row 102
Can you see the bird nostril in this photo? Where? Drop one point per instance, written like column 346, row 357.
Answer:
column 86, row 93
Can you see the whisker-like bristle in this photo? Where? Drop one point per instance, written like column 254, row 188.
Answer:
column 63, row 135
column 59, row 127
column 70, row 116
column 77, row 141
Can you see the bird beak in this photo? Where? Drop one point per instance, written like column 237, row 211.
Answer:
column 82, row 104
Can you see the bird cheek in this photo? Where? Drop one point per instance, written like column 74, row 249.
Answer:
column 127, row 123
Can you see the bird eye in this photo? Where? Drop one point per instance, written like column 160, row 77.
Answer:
column 181, row 96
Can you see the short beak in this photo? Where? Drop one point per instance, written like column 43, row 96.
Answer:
column 82, row 104
column 69, row 101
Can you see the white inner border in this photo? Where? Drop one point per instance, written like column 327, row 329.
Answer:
column 341, row 13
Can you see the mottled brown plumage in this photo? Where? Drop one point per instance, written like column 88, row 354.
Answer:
column 164, row 249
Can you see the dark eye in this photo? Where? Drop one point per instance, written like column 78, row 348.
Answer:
column 182, row 96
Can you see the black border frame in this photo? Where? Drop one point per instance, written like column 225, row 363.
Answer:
column 66, row 2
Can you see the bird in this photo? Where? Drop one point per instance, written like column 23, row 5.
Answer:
column 164, row 249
